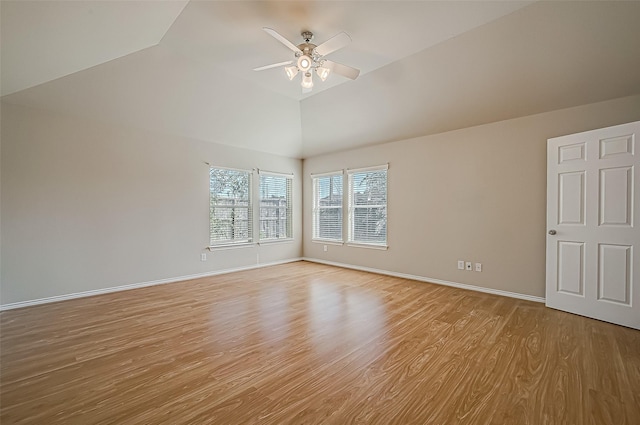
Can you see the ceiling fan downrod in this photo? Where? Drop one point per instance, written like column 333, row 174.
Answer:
column 307, row 36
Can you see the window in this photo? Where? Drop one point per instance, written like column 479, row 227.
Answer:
column 275, row 206
column 368, row 206
column 230, row 215
column 327, row 207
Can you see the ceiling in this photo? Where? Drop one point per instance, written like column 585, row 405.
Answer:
column 185, row 68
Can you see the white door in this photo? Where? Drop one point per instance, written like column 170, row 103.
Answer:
column 593, row 204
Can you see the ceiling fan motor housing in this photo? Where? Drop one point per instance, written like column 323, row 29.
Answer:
column 306, row 49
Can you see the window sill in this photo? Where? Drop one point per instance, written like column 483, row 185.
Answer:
column 367, row 245
column 328, row 241
column 275, row 241
column 231, row 246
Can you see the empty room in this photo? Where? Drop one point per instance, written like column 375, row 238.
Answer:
column 319, row 212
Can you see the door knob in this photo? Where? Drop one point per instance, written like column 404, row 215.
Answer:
column 552, row 232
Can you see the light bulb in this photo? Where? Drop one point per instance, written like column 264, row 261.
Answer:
column 307, row 82
column 304, row 63
column 291, row 71
column 323, row 73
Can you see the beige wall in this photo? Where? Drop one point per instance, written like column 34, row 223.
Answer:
column 476, row 194
column 88, row 206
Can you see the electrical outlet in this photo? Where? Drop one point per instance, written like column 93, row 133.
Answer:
column 203, row 256
column 460, row 264
column 325, row 248
column 478, row 267
column 468, row 266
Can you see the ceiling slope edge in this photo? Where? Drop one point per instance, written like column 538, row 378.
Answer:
column 43, row 41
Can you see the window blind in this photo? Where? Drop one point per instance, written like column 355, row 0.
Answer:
column 368, row 206
column 275, row 206
column 230, row 209
column 327, row 207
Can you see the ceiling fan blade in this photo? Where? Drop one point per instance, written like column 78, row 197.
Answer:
column 340, row 69
column 275, row 34
column 274, row 65
column 336, row 42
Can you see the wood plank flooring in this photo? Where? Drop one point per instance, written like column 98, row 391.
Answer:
column 304, row 343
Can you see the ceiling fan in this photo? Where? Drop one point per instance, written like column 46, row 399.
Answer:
column 309, row 58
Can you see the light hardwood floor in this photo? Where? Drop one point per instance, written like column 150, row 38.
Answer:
column 305, row 343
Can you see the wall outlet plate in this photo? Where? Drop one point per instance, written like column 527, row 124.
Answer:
column 460, row 264
column 478, row 267
column 468, row 266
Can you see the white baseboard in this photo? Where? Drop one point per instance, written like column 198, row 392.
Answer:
column 83, row 294
column 430, row 280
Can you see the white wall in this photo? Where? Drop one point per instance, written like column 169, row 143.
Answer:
column 88, row 205
column 476, row 194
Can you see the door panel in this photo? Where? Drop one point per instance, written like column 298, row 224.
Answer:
column 616, row 196
column 616, row 146
column 592, row 205
column 571, row 153
column 571, row 202
column 614, row 274
column 571, row 268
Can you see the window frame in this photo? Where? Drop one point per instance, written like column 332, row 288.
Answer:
column 353, row 207
column 317, row 208
column 289, row 206
column 230, row 243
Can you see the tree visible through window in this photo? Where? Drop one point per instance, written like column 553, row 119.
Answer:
column 327, row 207
column 230, row 216
column 368, row 206
column 275, row 206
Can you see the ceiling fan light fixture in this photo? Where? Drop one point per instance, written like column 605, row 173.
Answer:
column 307, row 82
column 310, row 58
column 291, row 71
column 323, row 72
column 304, row 63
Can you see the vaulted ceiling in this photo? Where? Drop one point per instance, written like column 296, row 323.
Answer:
column 185, row 68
